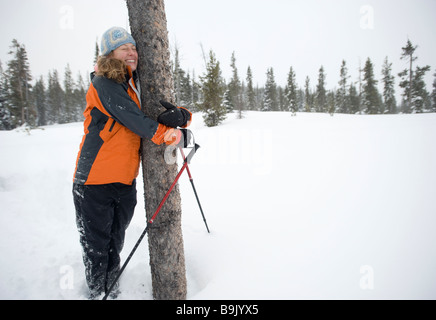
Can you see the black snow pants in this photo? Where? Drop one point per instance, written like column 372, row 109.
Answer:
column 103, row 213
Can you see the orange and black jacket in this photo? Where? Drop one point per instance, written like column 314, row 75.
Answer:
column 114, row 125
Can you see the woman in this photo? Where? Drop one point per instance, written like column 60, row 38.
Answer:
column 108, row 161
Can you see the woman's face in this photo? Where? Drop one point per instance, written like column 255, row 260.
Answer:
column 127, row 53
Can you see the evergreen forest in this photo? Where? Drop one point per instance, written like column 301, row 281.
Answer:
column 25, row 101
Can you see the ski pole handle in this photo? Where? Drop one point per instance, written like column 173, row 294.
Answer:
column 187, row 136
column 188, row 139
column 191, row 154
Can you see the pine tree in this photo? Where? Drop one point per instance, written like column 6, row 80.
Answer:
column 6, row 122
column 55, row 99
column 321, row 94
column 291, row 102
column 183, row 89
column 250, row 94
column 18, row 75
column 300, row 100
column 405, row 84
column 342, row 97
column 68, row 115
column 270, row 99
column 359, row 82
column 213, row 88
column 196, row 93
column 79, row 95
column 389, row 100
column 408, row 54
column 370, row 94
column 40, row 101
column 415, row 94
column 235, row 88
column 228, row 102
column 96, row 52
column 308, row 96
column 354, row 99
column 244, row 103
column 186, row 92
column 281, row 99
column 331, row 102
column 178, row 75
column 419, row 93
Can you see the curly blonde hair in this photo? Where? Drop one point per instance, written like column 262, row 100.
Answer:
column 111, row 68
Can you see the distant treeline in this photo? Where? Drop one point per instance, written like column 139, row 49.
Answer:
column 25, row 101
column 215, row 96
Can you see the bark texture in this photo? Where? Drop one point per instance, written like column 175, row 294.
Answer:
column 149, row 29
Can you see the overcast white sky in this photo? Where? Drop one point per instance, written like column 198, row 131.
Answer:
column 304, row 34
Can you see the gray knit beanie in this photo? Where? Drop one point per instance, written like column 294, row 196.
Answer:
column 113, row 38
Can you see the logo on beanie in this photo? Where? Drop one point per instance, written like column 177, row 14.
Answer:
column 117, row 35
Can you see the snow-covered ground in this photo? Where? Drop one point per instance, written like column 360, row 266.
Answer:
column 305, row 207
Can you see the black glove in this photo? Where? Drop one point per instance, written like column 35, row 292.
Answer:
column 173, row 117
column 186, row 116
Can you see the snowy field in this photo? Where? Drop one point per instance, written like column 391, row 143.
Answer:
column 305, row 207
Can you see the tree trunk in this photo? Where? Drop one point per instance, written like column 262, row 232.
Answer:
column 167, row 261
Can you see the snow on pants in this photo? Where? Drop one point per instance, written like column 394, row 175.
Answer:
column 103, row 213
